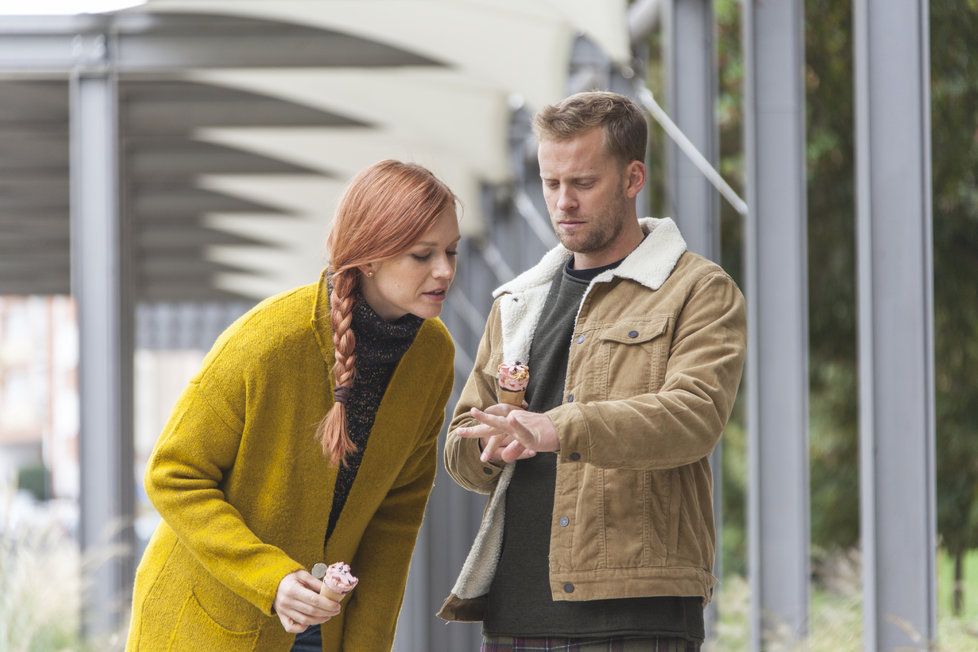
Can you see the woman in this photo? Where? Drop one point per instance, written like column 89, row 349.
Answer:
column 253, row 493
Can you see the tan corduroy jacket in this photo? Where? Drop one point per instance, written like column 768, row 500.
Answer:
column 245, row 491
column 655, row 363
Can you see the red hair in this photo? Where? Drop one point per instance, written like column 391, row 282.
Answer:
column 384, row 211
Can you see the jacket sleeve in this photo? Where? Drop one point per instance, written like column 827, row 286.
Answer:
column 384, row 554
column 462, row 455
column 183, row 481
column 683, row 421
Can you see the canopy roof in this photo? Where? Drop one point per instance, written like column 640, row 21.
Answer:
column 241, row 123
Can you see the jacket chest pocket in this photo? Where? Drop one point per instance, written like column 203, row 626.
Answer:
column 634, row 356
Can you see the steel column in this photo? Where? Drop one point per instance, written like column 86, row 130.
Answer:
column 691, row 90
column 777, row 295
column 896, row 329
column 105, row 315
column 691, row 79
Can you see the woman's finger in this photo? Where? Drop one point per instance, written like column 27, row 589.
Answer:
column 290, row 625
column 309, row 610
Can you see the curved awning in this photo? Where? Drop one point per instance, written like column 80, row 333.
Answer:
column 241, row 122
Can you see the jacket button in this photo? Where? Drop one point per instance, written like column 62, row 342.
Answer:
column 568, row 588
column 570, row 398
column 575, row 457
column 580, row 339
column 487, row 470
column 564, row 521
column 633, row 334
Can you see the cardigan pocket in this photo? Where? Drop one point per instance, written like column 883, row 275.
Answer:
column 197, row 630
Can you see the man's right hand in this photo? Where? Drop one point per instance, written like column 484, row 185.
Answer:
column 494, row 446
column 299, row 605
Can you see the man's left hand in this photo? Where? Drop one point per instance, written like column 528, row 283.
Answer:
column 530, row 430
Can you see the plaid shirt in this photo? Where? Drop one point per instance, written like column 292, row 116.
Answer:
column 608, row 644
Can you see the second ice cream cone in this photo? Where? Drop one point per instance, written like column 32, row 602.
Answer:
column 513, row 379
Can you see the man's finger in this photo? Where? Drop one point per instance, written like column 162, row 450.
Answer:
column 519, row 431
column 490, row 448
column 501, row 409
column 475, row 432
column 495, row 422
column 512, row 452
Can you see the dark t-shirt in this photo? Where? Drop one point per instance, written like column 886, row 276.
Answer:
column 519, row 601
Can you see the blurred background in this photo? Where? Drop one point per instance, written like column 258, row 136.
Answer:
column 164, row 165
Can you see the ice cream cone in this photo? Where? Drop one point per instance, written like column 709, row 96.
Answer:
column 512, row 382
column 337, row 580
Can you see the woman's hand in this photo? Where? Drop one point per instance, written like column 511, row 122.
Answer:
column 299, row 605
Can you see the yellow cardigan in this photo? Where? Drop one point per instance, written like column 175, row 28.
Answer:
column 245, row 492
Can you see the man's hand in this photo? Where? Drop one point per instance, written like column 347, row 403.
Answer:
column 299, row 605
column 518, row 433
column 492, row 443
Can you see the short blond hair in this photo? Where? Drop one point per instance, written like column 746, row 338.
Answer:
column 625, row 130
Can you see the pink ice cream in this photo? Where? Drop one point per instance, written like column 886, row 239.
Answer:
column 339, row 579
column 514, row 377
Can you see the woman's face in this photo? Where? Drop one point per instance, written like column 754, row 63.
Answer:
column 417, row 281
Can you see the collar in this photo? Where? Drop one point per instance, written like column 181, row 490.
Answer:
column 649, row 264
column 430, row 333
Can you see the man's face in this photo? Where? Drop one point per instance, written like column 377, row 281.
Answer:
column 585, row 190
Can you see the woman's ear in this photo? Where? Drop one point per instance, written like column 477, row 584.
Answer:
column 368, row 270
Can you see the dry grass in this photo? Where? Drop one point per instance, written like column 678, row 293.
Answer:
column 836, row 617
column 41, row 580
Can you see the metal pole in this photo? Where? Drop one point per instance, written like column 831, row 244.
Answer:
column 777, row 296
column 691, row 81
column 896, row 329
column 691, row 90
column 100, row 286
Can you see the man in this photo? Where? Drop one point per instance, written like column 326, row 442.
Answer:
column 599, row 530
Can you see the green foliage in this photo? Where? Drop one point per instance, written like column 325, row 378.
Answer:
column 836, row 614
column 834, row 397
column 34, row 479
column 733, row 537
column 945, row 588
column 831, row 258
column 954, row 102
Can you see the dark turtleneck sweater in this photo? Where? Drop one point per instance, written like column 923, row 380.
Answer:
column 380, row 346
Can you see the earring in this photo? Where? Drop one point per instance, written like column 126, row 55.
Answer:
column 370, row 274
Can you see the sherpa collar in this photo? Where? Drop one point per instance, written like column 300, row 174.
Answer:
column 649, row 264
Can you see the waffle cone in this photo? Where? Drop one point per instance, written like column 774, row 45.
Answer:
column 332, row 595
column 509, row 397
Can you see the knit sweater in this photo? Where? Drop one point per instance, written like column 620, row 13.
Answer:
column 380, row 345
